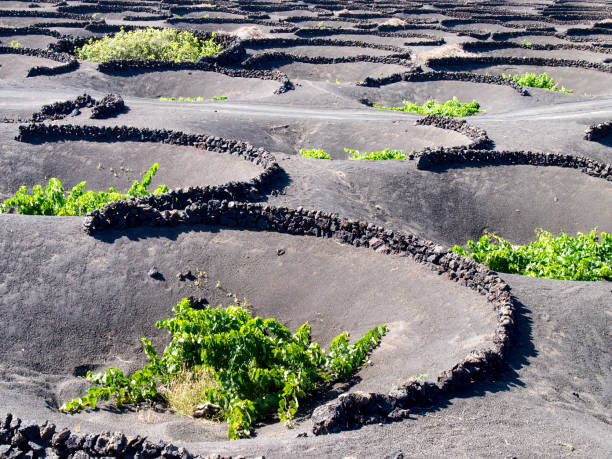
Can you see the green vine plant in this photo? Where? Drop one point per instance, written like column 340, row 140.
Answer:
column 585, row 257
column 315, row 153
column 376, row 155
column 250, row 366
column 449, row 108
column 150, row 43
column 534, row 80
column 52, row 200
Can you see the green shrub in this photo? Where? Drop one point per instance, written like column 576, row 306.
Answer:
column 376, row 155
column 149, row 43
column 53, row 200
column 536, row 81
column 449, row 108
column 583, row 257
column 259, row 367
column 215, row 98
column 314, row 153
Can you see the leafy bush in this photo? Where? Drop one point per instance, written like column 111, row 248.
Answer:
column 258, row 366
column 15, row 44
column 190, row 99
column 53, row 200
column 314, row 153
column 536, row 81
column 584, row 257
column 449, row 108
column 376, row 155
column 149, row 43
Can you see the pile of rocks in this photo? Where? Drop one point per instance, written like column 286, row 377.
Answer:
column 598, row 131
column 110, row 105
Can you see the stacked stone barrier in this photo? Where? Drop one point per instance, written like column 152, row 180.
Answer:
column 179, row 198
column 476, row 46
column 280, row 56
column 279, row 42
column 109, row 106
column 69, row 63
column 28, row 30
column 598, row 131
column 22, row 439
column 451, row 157
column 444, row 62
column 480, row 139
column 417, row 75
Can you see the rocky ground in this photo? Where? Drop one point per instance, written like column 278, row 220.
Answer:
column 304, row 75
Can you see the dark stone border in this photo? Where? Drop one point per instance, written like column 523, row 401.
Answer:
column 463, row 156
column 178, row 198
column 28, row 30
column 598, row 131
column 476, row 46
column 69, row 64
column 19, row 439
column 278, row 41
column 444, row 62
column 480, row 139
column 418, row 75
column 109, row 106
column 265, row 58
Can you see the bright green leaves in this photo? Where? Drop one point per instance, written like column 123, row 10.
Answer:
column 583, row 257
column 259, row 365
column 315, row 153
column 150, row 43
column 376, row 155
column 449, row 108
column 536, row 81
column 53, row 200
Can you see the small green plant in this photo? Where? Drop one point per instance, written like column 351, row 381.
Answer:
column 449, row 108
column 53, row 200
column 149, row 43
column 527, row 43
column 177, row 16
column 182, row 99
column 315, row 153
column 376, row 155
column 247, row 366
column 95, row 15
column 15, row 44
column 215, row 98
column 533, row 80
column 206, row 16
column 320, row 25
column 584, row 257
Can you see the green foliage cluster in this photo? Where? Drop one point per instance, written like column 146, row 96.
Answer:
column 150, row 43
column 15, row 44
column 315, row 153
column 449, row 108
column 53, row 200
column 583, row 257
column 258, row 365
column 376, row 155
column 534, row 80
column 190, row 99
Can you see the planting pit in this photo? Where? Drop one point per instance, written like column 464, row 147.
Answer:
column 105, row 164
column 118, row 303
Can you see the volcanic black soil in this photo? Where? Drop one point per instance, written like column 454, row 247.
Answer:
column 305, row 76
